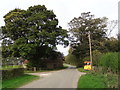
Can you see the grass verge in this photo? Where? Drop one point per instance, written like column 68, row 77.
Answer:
column 91, row 81
column 16, row 82
column 97, row 80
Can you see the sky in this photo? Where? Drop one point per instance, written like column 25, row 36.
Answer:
column 66, row 10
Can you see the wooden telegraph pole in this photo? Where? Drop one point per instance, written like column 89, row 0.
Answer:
column 90, row 47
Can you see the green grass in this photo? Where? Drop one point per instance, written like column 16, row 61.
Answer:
column 65, row 65
column 91, row 81
column 97, row 80
column 18, row 81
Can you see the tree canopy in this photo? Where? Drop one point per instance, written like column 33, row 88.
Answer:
column 31, row 33
column 79, row 29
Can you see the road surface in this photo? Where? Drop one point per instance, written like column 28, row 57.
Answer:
column 67, row 78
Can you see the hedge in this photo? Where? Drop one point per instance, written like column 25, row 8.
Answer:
column 109, row 61
column 7, row 74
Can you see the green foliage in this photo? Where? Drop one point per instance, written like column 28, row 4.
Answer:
column 79, row 29
column 97, row 80
column 10, row 67
column 31, row 34
column 86, row 58
column 11, row 61
column 96, row 55
column 109, row 61
column 93, row 79
column 105, row 74
column 73, row 60
column 111, row 80
column 16, row 82
column 7, row 74
column 111, row 44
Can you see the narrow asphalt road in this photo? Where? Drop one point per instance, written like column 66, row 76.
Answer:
column 67, row 78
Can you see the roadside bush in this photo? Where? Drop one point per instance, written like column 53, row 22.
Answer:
column 109, row 62
column 96, row 56
column 7, row 74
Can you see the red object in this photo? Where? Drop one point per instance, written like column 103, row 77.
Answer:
column 26, row 62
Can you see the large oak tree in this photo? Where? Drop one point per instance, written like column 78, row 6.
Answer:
column 32, row 34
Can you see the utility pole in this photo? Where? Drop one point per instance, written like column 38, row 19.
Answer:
column 90, row 47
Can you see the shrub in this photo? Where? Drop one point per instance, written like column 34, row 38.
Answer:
column 109, row 61
column 96, row 56
column 7, row 74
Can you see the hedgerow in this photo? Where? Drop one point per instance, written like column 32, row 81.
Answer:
column 109, row 62
column 7, row 74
